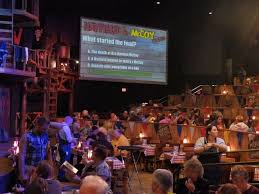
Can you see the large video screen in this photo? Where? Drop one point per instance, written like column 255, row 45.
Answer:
column 122, row 53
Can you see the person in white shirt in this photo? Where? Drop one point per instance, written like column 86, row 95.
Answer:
column 65, row 139
column 239, row 124
column 211, row 141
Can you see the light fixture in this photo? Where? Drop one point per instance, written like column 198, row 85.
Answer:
column 224, row 92
column 77, row 62
column 208, row 116
column 228, row 148
column 185, row 140
column 89, row 154
column 141, row 135
column 210, row 13
column 253, row 117
column 158, row 2
column 124, row 89
column 15, row 143
column 79, row 145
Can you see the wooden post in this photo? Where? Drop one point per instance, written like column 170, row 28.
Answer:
column 71, row 98
column 71, row 103
column 24, row 109
column 45, row 100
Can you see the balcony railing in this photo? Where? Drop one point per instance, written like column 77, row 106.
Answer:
column 30, row 6
column 28, row 60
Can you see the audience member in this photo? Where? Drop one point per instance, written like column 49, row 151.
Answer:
column 118, row 139
column 208, row 149
column 162, row 181
column 211, row 142
column 93, row 185
column 192, row 183
column 97, row 166
column 101, row 139
column 42, row 181
column 239, row 125
column 240, row 178
column 228, row 189
column 219, row 122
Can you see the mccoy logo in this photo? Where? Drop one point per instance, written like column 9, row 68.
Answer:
column 142, row 34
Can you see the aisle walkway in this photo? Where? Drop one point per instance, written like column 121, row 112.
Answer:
column 146, row 179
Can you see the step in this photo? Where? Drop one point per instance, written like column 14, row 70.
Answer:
column 6, row 30
column 6, row 22
column 5, row 12
column 5, row 39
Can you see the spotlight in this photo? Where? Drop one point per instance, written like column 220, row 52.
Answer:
column 210, row 13
column 158, row 2
column 77, row 62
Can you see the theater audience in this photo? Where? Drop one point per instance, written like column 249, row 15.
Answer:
column 192, row 183
column 228, row 189
column 240, row 178
column 42, row 181
column 162, row 181
column 93, row 185
column 239, row 125
column 211, row 142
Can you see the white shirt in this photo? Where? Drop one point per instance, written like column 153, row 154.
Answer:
column 201, row 142
column 64, row 131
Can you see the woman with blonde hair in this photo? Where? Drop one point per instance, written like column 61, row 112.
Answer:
column 239, row 125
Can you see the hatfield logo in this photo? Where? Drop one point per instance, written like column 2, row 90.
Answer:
column 142, row 34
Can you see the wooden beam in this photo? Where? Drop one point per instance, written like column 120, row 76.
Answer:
column 24, row 110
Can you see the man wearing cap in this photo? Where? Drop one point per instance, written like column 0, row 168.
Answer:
column 65, row 139
column 34, row 147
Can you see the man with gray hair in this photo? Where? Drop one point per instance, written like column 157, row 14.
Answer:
column 162, row 181
column 65, row 139
column 94, row 185
column 240, row 178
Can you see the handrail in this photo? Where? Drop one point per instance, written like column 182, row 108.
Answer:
column 247, row 150
column 231, row 163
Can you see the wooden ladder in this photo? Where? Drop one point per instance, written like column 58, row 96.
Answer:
column 52, row 104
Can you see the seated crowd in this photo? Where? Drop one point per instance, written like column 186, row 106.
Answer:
column 105, row 139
